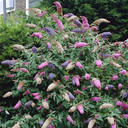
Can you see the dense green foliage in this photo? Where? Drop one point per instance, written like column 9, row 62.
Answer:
column 33, row 77
column 13, row 31
column 115, row 11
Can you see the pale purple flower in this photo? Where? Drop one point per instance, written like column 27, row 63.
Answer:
column 78, row 23
column 104, row 35
column 68, row 15
column 65, row 63
column 99, row 63
column 50, row 64
column 71, row 96
column 95, row 98
column 8, row 62
column 123, row 72
column 80, row 44
column 18, row 104
column 87, row 76
column 28, row 104
column 51, row 75
column 41, row 122
column 34, row 50
column 94, row 28
column 124, row 94
column 88, row 120
column 66, row 78
column 78, row 30
column 110, row 86
column 49, row 31
column 37, row 34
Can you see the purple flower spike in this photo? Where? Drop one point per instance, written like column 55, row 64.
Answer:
column 78, row 30
column 110, row 86
column 51, row 65
column 65, row 63
column 78, row 23
column 34, row 50
column 41, row 122
column 73, row 81
column 8, row 62
column 124, row 94
column 88, row 120
column 49, row 31
column 104, row 35
column 71, row 96
column 91, row 82
column 51, row 75
column 28, row 104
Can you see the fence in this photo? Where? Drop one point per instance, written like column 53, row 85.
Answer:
column 7, row 5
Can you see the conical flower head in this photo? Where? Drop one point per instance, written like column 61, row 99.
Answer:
column 78, row 64
column 70, row 119
column 80, row 108
column 17, row 105
column 71, row 96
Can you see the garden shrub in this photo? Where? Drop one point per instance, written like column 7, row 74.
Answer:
column 113, row 10
column 70, row 67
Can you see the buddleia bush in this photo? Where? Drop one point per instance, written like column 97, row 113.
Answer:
column 73, row 78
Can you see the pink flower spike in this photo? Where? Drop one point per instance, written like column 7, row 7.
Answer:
column 48, row 45
column 26, row 63
column 43, row 65
column 125, row 115
column 99, row 63
column 80, row 108
column 42, row 14
column 24, row 70
column 85, row 22
column 36, row 75
column 77, row 92
column 87, row 76
column 59, row 8
column 66, row 78
column 39, row 107
column 120, row 86
column 37, row 97
column 123, row 72
column 35, row 94
column 80, row 44
column 76, row 79
column 70, row 119
column 114, row 125
column 27, row 92
column 115, row 77
column 1, row 110
column 42, row 73
column 95, row 98
column 78, row 64
column 12, row 75
column 17, row 105
column 97, row 84
column 60, row 25
column 84, row 88
column 116, row 55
